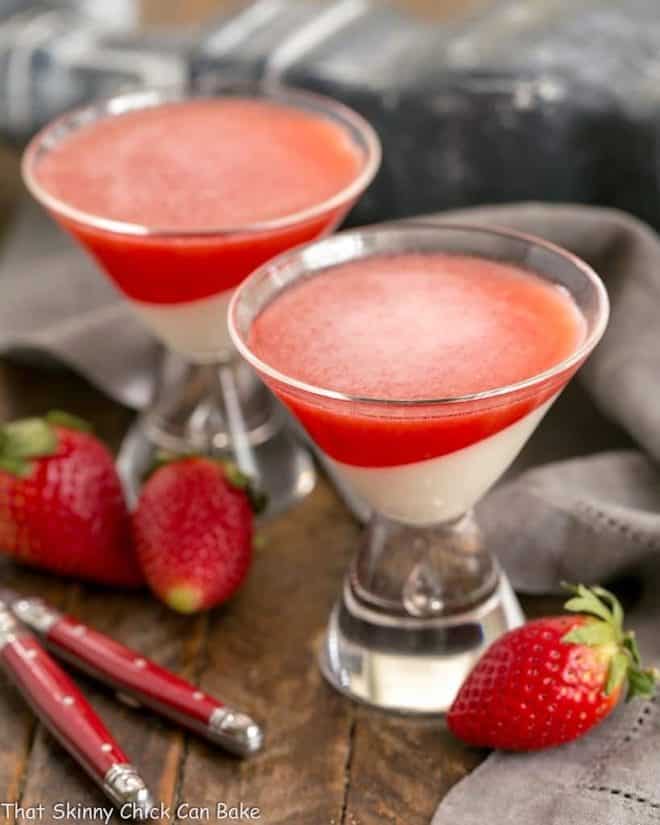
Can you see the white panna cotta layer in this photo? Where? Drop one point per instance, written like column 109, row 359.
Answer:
column 444, row 488
column 196, row 329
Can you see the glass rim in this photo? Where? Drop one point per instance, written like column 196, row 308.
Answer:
column 590, row 341
column 346, row 117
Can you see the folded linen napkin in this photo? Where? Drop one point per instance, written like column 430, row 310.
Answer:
column 54, row 305
column 588, row 509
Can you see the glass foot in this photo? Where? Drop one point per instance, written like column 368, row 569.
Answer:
column 411, row 665
column 221, row 410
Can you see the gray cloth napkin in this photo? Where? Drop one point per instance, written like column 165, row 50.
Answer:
column 585, row 507
column 55, row 307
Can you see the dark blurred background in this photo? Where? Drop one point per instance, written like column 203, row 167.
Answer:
column 186, row 18
column 191, row 11
column 476, row 101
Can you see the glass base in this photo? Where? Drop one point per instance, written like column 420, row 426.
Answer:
column 224, row 411
column 411, row 665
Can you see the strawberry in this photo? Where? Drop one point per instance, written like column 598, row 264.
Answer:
column 61, row 502
column 193, row 530
column 553, row 679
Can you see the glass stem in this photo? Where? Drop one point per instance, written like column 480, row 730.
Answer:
column 220, row 408
column 423, row 572
column 235, row 422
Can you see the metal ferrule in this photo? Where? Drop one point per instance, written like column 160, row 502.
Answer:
column 36, row 614
column 235, row 731
column 124, row 785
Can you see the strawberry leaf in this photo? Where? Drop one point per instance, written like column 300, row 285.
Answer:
column 591, row 634
column 641, row 683
column 630, row 644
column 234, row 476
column 29, row 438
column 614, row 603
column 16, row 466
column 586, row 601
column 604, row 630
column 258, row 499
column 71, row 422
column 617, row 672
column 582, row 605
column 238, row 479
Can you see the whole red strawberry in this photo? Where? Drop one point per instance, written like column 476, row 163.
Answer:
column 193, row 532
column 551, row 680
column 61, row 502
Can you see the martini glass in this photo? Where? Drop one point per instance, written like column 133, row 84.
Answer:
column 208, row 400
column 424, row 596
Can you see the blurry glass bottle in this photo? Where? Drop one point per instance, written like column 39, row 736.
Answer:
column 56, row 55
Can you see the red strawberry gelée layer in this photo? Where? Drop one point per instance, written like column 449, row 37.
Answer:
column 413, row 327
column 212, row 166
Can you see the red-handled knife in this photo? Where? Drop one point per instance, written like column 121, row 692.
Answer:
column 135, row 678
column 66, row 713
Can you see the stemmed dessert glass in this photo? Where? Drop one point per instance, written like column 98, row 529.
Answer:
column 423, row 596
column 208, row 399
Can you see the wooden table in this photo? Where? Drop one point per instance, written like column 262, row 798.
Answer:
column 326, row 761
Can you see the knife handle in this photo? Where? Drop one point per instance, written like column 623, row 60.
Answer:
column 66, row 713
column 139, row 679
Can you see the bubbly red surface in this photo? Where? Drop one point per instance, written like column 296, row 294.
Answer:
column 412, row 327
column 202, row 164
column 220, row 164
column 418, row 326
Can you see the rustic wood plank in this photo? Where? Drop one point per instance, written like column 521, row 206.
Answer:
column 11, row 185
column 18, row 727
column 261, row 656
column 401, row 768
column 27, row 389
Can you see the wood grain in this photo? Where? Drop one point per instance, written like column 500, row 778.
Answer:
column 325, row 761
column 261, row 655
column 10, row 185
column 401, row 768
